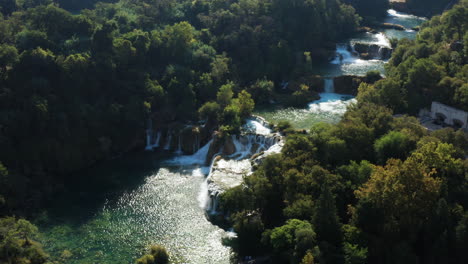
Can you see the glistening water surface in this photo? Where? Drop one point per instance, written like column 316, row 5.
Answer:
column 330, row 108
column 153, row 203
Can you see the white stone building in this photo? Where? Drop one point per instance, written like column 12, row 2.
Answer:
column 449, row 115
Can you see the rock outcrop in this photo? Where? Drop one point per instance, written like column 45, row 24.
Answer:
column 392, row 26
column 369, row 51
column 185, row 139
column 347, row 84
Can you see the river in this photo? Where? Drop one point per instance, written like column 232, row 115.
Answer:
column 118, row 208
column 331, row 106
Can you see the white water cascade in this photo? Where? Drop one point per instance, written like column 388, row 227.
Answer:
column 329, row 86
column 331, row 102
column 179, row 146
column 198, row 158
column 229, row 171
column 167, row 146
column 343, row 55
column 151, row 141
column 394, row 13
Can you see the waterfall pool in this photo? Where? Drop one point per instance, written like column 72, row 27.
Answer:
column 152, row 199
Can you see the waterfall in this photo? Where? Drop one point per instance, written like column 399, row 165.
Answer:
column 158, row 138
column 382, row 40
column 329, row 85
column 257, row 125
column 380, row 52
column 149, row 133
column 229, row 171
column 167, row 146
column 197, row 158
column 148, row 139
column 214, row 203
column 343, row 55
column 203, row 195
column 179, row 146
column 242, row 149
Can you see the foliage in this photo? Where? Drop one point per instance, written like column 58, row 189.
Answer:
column 17, row 245
column 294, row 238
column 249, row 227
column 157, row 255
column 392, row 145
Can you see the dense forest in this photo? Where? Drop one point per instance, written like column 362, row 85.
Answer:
column 79, row 81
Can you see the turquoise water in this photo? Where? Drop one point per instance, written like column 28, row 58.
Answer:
column 149, row 202
column 330, row 108
column 406, row 20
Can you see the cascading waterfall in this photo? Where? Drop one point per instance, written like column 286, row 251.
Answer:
column 382, row 40
column 148, row 139
column 228, row 172
column 343, row 55
column 150, row 144
column 179, row 146
column 214, row 203
column 381, row 53
column 167, row 146
column 329, row 86
column 198, row 158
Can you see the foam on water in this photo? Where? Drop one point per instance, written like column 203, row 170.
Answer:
column 343, row 55
column 394, row 13
column 203, row 195
column 198, row 158
column 256, row 127
column 382, row 40
column 331, row 103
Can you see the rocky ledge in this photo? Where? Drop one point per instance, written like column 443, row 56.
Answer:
column 369, row 51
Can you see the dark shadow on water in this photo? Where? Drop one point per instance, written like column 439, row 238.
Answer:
column 87, row 191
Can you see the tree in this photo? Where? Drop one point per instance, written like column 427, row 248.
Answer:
column 462, row 237
column 392, row 95
column 8, row 56
column 393, row 207
column 17, row 245
column 308, row 258
column 328, row 227
column 160, row 254
column 249, row 228
column 31, row 39
column 261, row 91
column 7, row 6
column 157, row 255
column 209, row 111
column 225, row 94
column 393, row 145
column 294, row 238
column 246, row 103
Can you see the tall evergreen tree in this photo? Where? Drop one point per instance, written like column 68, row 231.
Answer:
column 328, row 228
